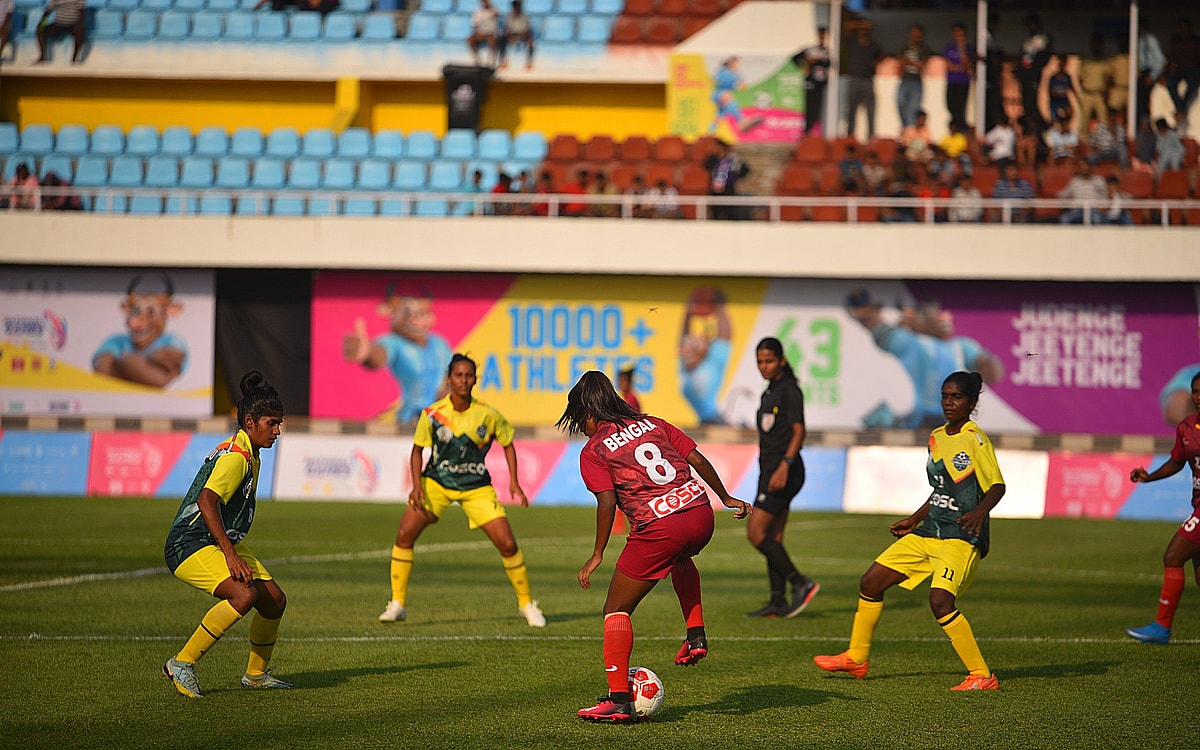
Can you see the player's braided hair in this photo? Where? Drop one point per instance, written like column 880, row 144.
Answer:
column 259, row 398
column 594, row 396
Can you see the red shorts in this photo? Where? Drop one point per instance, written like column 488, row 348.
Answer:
column 651, row 553
column 1190, row 529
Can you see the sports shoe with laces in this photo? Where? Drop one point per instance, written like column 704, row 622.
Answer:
column 183, row 675
column 533, row 615
column 802, row 594
column 692, row 651
column 842, row 663
column 606, row 710
column 1152, row 633
column 770, row 610
column 394, row 611
column 978, row 682
column 264, row 680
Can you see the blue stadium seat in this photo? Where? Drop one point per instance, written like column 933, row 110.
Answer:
column 10, row 167
column 233, row 173
column 305, row 174
column 212, row 142
column 72, row 140
column 445, row 176
column 224, row 6
column 459, row 144
column 340, row 175
column 208, row 25
column 140, row 25
column 423, row 27
column 595, row 29
column 283, row 143
column 9, row 138
column 410, row 176
column 608, row 7
column 470, row 6
column 91, row 5
column 247, row 4
column 215, row 204
column 559, row 29
column 126, row 173
column 108, row 141
column 438, row 7
column 91, row 171
column 197, row 172
column 195, row 5
column 108, row 24
column 431, row 208
column 177, row 141
column 422, row 144
column 268, row 176
column 246, row 142
column 359, row 206
column 394, row 207
column 495, row 145
column 123, row 6
column 354, row 143
column 175, row 25
column 389, row 144
column 37, row 139
column 538, row 7
column 240, row 25
column 374, row 174
column 161, row 172
column 59, row 164
column 158, row 6
column 379, row 27
column 340, row 26
column 271, row 27
column 530, row 146
column 319, row 142
column 305, row 27
column 142, row 141
column 573, row 7
column 456, row 27
column 489, row 169
column 356, row 6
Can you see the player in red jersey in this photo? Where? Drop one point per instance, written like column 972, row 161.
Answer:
column 1185, row 545
column 642, row 465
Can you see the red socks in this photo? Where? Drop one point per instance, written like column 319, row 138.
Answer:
column 1168, row 600
column 618, row 645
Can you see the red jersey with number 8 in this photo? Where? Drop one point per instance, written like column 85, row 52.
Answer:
column 644, row 462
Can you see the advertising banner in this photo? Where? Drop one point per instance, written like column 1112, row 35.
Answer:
column 150, row 464
column 1096, row 485
column 742, row 98
column 106, row 342
column 44, row 463
column 343, row 467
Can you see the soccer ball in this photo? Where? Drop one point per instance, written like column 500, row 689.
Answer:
column 646, row 690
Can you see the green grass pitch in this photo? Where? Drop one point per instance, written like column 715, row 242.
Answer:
column 88, row 614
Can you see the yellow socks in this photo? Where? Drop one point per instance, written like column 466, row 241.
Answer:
column 962, row 638
column 863, row 630
column 216, row 621
column 402, row 563
column 262, row 642
column 518, row 575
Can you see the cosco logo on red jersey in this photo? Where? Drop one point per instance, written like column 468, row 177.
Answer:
column 665, row 505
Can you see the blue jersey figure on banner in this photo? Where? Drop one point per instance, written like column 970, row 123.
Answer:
column 145, row 353
column 726, row 83
column 924, row 342
column 704, row 348
column 414, row 355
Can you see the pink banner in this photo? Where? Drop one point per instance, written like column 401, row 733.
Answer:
column 1090, row 485
column 133, row 464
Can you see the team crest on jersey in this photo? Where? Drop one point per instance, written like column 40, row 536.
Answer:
column 767, row 422
column 961, row 460
column 482, row 431
column 444, row 435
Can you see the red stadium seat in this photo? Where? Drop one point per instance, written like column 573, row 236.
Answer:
column 706, row 8
column 814, row 151
column 669, row 148
column 701, row 148
column 635, row 148
column 663, row 30
column 1137, row 184
column 626, row 30
column 639, row 7
column 831, row 179
column 797, row 179
column 694, row 180
column 884, row 147
column 671, row 7
column 563, row 148
column 600, row 148
column 622, row 175
column 984, row 179
column 656, row 172
column 693, row 24
column 1172, row 185
column 829, row 213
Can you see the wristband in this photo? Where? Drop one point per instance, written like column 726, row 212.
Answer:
column 789, row 461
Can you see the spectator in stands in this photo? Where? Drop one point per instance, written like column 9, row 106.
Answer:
column 725, row 168
column 1168, row 148
column 850, row 168
column 324, row 7
column 1088, row 190
column 957, row 148
column 960, row 68
column 863, row 53
column 545, row 186
column 485, row 32
column 69, row 18
column 1061, row 90
column 1095, row 79
column 1001, row 142
column 524, row 183
column 899, row 213
column 638, row 196
column 875, row 175
column 967, row 205
column 663, row 200
column 1061, row 141
column 1035, row 53
column 1183, row 66
column 503, row 186
column 467, row 208
column 59, row 197
column 1145, row 143
column 7, row 8
column 1151, row 64
column 1107, row 141
column 1030, row 148
column 24, row 190
column 815, row 61
column 1012, row 107
column 1012, row 186
column 578, row 186
column 602, row 187
column 938, row 189
column 1116, row 213
column 517, row 31
column 916, row 139
column 1118, row 65
column 912, row 66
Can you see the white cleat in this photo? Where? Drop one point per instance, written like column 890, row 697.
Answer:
column 395, row 611
column 533, row 615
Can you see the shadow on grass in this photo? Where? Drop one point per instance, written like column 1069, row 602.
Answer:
column 1041, row 671
column 333, row 677
column 749, row 700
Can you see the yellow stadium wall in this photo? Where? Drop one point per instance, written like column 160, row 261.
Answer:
column 619, row 110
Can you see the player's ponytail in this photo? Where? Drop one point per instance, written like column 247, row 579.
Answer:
column 259, row 398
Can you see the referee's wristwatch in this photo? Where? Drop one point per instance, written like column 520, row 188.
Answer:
column 790, row 461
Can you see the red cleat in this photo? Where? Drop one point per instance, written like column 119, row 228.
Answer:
column 692, row 651
column 606, row 710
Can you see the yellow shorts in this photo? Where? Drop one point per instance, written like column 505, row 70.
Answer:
column 480, row 504
column 951, row 562
column 206, row 569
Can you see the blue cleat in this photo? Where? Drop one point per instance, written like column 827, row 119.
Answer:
column 1152, row 633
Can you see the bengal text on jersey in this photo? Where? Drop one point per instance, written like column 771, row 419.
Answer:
column 628, row 434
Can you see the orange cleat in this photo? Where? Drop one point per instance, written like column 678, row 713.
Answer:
column 978, row 682
column 842, row 663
